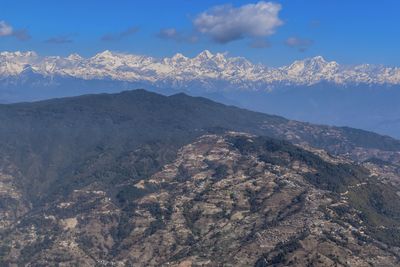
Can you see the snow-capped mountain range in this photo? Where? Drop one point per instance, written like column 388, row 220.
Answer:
column 313, row 90
column 210, row 71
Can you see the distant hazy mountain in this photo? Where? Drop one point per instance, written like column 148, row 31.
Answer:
column 142, row 179
column 314, row 90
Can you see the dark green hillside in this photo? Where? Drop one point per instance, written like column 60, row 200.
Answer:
column 59, row 144
column 142, row 179
column 78, row 138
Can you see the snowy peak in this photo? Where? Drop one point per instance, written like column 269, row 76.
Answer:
column 74, row 57
column 179, row 57
column 104, row 54
column 205, row 55
column 312, row 70
column 318, row 60
column 314, row 64
column 13, row 63
column 205, row 70
column 18, row 54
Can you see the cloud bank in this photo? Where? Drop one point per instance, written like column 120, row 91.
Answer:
column 59, row 40
column 120, row 35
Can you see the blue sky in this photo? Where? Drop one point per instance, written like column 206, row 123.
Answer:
column 350, row 32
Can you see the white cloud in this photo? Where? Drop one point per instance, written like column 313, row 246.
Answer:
column 169, row 33
column 22, row 35
column 65, row 39
column 5, row 29
column 227, row 23
column 173, row 34
column 299, row 43
column 120, row 35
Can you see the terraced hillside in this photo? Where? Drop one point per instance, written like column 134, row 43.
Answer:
column 139, row 179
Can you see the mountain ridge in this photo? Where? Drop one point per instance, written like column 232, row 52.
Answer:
column 313, row 90
column 205, row 69
column 143, row 179
column 259, row 200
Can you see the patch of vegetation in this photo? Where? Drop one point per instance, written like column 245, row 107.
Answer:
column 124, row 228
column 336, row 178
column 4, row 250
column 86, row 242
column 328, row 176
column 183, row 174
column 252, row 199
column 129, row 193
column 380, row 210
column 154, row 227
column 279, row 255
column 293, row 207
column 220, row 170
column 341, row 241
column 154, row 208
column 362, row 239
column 379, row 162
column 30, row 250
column 367, row 139
column 191, row 215
column 341, row 210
